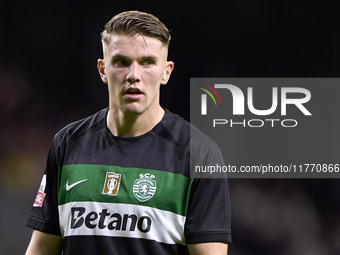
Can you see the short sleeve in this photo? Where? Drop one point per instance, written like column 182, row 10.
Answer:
column 209, row 215
column 44, row 214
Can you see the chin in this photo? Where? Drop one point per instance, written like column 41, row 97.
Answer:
column 133, row 110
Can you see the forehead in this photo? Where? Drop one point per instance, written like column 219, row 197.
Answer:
column 131, row 45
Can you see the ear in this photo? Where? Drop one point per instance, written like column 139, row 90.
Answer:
column 167, row 72
column 101, row 69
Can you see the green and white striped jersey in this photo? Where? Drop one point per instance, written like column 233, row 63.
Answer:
column 113, row 195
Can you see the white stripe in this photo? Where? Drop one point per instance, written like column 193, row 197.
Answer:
column 43, row 184
column 166, row 227
column 203, row 104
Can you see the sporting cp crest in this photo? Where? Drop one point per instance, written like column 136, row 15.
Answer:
column 112, row 182
column 145, row 187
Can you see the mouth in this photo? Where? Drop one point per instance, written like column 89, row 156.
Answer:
column 133, row 93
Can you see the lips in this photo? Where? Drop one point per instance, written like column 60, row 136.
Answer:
column 133, row 93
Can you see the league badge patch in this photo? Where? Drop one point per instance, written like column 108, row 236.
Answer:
column 144, row 188
column 39, row 199
column 112, row 183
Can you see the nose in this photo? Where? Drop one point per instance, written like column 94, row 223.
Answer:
column 133, row 75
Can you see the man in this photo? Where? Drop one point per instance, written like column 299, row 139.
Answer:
column 118, row 182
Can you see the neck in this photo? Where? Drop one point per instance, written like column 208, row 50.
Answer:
column 131, row 124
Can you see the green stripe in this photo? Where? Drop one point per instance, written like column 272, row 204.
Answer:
column 207, row 91
column 172, row 191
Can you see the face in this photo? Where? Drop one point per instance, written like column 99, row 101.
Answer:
column 134, row 67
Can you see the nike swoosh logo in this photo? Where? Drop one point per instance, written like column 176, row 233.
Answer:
column 68, row 187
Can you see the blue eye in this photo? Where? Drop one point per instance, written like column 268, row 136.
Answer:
column 147, row 62
column 121, row 63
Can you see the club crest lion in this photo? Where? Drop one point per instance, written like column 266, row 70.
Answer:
column 144, row 188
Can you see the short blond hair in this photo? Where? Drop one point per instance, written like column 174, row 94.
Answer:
column 136, row 22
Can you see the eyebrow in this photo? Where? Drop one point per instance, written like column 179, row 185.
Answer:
column 147, row 57
column 117, row 56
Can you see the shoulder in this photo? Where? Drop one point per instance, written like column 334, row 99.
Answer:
column 82, row 127
column 187, row 135
column 178, row 128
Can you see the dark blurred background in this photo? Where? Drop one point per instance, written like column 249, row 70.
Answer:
column 48, row 78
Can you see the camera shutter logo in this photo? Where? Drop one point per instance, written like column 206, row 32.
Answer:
column 112, row 183
column 204, row 98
